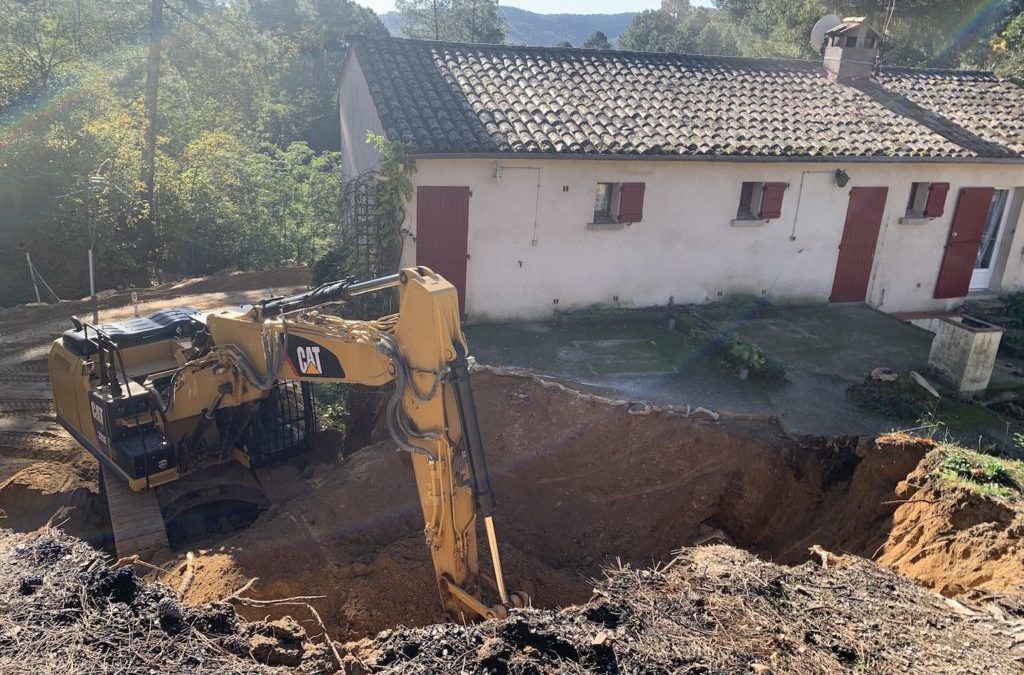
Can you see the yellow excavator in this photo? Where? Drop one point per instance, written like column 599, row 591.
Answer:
column 177, row 396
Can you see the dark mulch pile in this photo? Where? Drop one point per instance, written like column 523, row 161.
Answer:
column 63, row 610
column 720, row 610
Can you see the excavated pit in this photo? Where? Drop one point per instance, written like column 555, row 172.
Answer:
column 212, row 519
column 64, row 494
column 212, row 503
column 581, row 484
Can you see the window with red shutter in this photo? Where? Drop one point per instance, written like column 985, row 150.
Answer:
column 771, row 200
column 936, row 200
column 631, row 202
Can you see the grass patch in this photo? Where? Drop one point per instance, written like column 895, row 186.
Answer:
column 604, row 340
column 598, row 312
column 965, row 416
column 991, row 476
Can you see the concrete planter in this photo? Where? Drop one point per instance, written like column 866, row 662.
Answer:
column 964, row 350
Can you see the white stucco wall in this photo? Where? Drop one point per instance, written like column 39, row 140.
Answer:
column 358, row 116
column 685, row 250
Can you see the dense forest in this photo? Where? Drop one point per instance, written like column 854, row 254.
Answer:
column 246, row 171
column 180, row 137
column 920, row 33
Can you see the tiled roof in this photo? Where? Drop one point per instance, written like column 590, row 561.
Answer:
column 442, row 98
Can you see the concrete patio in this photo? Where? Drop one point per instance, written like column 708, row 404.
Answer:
column 823, row 350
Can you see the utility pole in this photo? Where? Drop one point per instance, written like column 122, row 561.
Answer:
column 156, row 28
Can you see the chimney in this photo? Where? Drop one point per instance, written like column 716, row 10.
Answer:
column 851, row 49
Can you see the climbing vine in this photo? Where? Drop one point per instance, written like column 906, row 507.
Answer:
column 371, row 233
column 394, row 190
column 394, row 173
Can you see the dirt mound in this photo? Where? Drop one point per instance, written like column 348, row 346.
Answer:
column 62, row 605
column 719, row 610
column 46, row 494
column 954, row 539
column 581, row 484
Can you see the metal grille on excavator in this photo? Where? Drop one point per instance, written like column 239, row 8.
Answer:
column 285, row 424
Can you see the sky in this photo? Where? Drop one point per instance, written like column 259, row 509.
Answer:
column 556, row 6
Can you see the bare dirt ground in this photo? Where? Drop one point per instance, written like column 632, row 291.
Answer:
column 582, row 483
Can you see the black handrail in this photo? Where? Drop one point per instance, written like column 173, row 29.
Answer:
column 334, row 291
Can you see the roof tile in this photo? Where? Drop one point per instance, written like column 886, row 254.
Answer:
column 440, row 97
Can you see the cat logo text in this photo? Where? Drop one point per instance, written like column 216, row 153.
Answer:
column 307, row 359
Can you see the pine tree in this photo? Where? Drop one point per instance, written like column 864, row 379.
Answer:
column 452, row 20
column 597, row 41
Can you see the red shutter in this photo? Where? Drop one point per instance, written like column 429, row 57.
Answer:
column 442, row 233
column 964, row 241
column 936, row 200
column 771, row 200
column 857, row 247
column 631, row 202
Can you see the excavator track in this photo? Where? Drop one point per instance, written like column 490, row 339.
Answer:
column 136, row 519
column 140, row 519
column 25, row 405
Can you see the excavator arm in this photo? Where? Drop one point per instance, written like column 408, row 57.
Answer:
column 430, row 414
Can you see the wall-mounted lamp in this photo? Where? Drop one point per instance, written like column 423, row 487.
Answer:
column 842, row 178
column 496, row 170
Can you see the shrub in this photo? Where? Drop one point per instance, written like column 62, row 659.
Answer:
column 332, row 405
column 729, row 350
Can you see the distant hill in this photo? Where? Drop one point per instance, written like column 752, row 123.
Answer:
column 530, row 28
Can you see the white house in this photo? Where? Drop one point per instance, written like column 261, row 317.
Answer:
column 551, row 179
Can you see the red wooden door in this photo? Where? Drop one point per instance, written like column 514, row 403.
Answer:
column 964, row 240
column 857, row 247
column 442, row 234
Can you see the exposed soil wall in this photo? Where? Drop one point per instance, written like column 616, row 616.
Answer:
column 953, row 539
column 581, row 484
column 580, row 480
